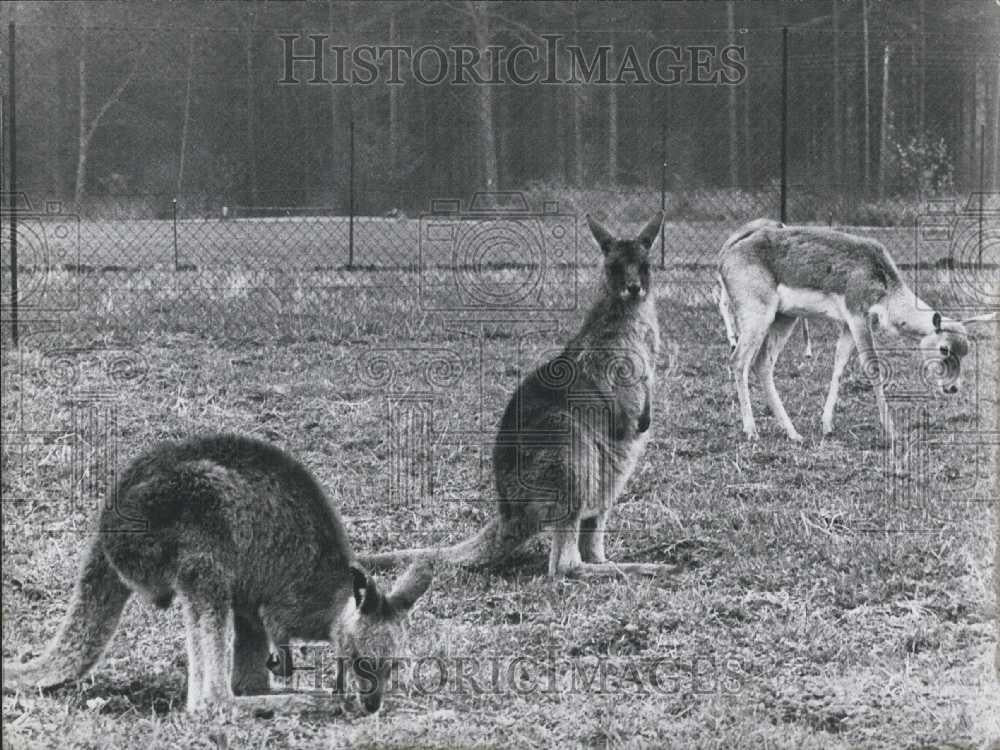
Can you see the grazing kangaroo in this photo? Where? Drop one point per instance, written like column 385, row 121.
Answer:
column 258, row 555
column 771, row 274
column 574, row 429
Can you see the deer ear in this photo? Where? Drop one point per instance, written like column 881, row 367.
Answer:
column 980, row 318
column 936, row 322
column 651, row 231
column 602, row 235
column 366, row 594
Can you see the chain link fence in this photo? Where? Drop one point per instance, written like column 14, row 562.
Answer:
column 235, row 179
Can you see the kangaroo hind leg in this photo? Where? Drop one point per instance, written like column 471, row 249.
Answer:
column 564, row 557
column 208, row 613
column 251, row 655
column 592, row 538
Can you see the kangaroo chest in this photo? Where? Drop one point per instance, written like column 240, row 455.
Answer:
column 621, row 358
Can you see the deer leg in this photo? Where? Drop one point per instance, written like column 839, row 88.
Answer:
column 763, row 365
column 754, row 324
column 870, row 364
column 845, row 346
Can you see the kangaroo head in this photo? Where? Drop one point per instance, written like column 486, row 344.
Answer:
column 372, row 635
column 627, row 262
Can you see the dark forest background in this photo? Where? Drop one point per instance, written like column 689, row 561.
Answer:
column 132, row 104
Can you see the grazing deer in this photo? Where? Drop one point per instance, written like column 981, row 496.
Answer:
column 257, row 554
column 574, row 430
column 770, row 275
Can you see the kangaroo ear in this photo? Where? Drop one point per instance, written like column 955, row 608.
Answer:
column 602, row 235
column 651, row 231
column 936, row 322
column 411, row 586
column 366, row 594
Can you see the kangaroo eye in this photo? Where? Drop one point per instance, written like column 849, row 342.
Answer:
column 945, row 351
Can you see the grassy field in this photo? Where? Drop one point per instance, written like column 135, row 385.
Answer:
column 823, row 601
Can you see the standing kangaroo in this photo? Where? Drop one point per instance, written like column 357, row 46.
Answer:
column 258, row 554
column 574, row 429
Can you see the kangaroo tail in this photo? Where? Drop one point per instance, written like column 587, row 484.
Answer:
column 97, row 604
column 490, row 545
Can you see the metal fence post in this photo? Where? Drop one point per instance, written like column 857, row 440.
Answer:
column 350, row 197
column 12, row 196
column 784, row 124
column 176, row 264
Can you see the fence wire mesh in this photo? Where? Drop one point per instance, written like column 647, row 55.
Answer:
column 193, row 178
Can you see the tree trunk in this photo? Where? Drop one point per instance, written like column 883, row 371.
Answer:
column 996, row 130
column 838, row 138
column 734, row 175
column 251, row 105
column 576, row 92
column 487, row 131
column 969, row 137
column 86, row 130
column 559, row 102
column 883, row 136
column 82, row 140
column 394, row 92
column 922, row 76
column 867, row 95
column 178, row 191
column 336, row 158
column 747, row 161
column 57, row 115
column 612, row 120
